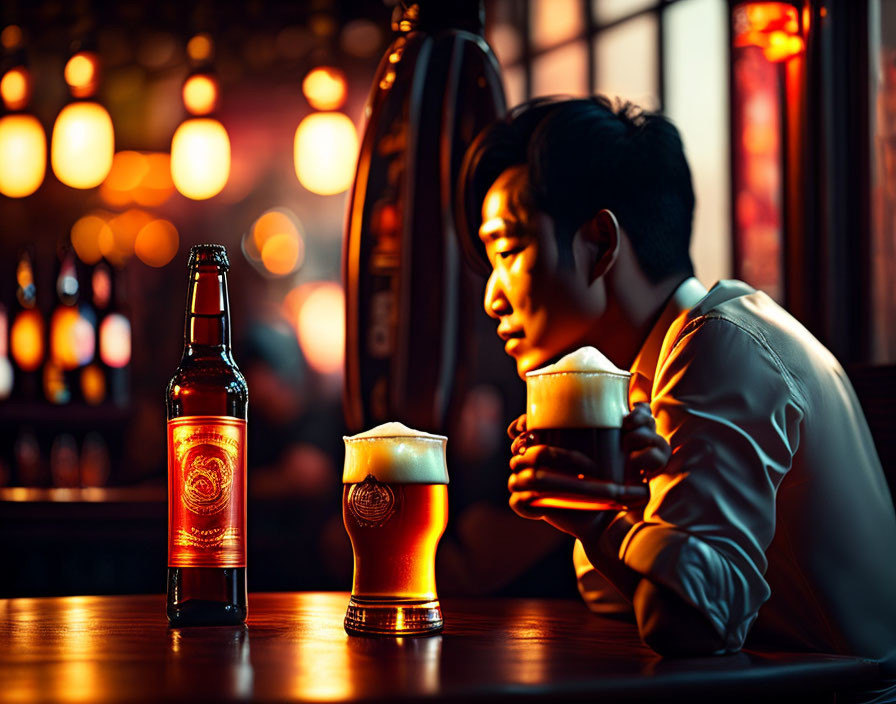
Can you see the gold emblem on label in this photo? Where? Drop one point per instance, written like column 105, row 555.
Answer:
column 371, row 502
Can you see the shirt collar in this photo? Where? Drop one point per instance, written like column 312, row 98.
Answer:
column 685, row 297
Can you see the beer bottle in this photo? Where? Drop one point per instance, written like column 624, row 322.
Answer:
column 207, row 402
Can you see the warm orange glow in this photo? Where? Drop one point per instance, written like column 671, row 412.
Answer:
column 83, row 145
column 128, row 170
column 200, row 94
column 325, row 152
column 93, row 384
column 772, row 26
column 82, row 74
column 23, row 155
column 15, row 88
column 271, row 223
column 156, row 186
column 101, row 283
column 325, row 88
column 200, row 158
column 321, row 327
column 115, row 340
column 124, row 228
column 199, row 48
column 27, row 340
column 86, row 235
column 157, row 243
column 11, row 37
column 71, row 338
column 282, row 254
column 144, row 178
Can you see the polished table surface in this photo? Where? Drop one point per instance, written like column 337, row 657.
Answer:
column 119, row 648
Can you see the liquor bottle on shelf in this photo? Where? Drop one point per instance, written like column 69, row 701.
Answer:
column 71, row 335
column 26, row 336
column 207, row 402
column 114, row 334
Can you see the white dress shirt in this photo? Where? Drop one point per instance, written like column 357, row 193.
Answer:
column 774, row 496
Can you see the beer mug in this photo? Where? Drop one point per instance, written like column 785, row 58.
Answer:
column 578, row 403
column 395, row 509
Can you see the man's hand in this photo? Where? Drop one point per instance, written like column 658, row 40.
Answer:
column 544, row 469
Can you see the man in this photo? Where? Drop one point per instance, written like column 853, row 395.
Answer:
column 773, row 495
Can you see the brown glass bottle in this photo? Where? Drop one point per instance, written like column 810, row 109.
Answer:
column 207, row 401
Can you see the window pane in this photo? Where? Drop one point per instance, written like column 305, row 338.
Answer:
column 757, row 171
column 883, row 187
column 625, row 61
column 514, row 85
column 554, row 21
column 504, row 22
column 611, row 10
column 696, row 93
column 563, row 70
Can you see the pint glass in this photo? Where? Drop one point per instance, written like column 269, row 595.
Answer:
column 578, row 404
column 395, row 508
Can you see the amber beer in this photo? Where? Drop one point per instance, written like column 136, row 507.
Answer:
column 395, row 508
column 578, row 404
column 207, row 401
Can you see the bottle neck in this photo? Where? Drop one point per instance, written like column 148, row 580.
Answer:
column 207, row 324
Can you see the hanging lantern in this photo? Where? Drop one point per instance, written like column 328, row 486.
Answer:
column 325, row 152
column 23, row 145
column 200, row 148
column 83, row 141
column 325, row 88
column 200, row 158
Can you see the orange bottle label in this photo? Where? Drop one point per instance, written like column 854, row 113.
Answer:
column 206, row 492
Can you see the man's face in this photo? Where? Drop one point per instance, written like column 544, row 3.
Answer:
column 544, row 308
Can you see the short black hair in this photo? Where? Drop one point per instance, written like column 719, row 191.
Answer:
column 584, row 155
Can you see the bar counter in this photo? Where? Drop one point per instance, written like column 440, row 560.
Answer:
column 293, row 648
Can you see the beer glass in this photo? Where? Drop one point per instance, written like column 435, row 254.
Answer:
column 578, row 403
column 395, row 508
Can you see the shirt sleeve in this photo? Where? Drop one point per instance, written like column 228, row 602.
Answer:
column 727, row 408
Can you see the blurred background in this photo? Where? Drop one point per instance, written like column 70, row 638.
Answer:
column 132, row 130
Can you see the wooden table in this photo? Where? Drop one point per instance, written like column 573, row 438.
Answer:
column 105, row 649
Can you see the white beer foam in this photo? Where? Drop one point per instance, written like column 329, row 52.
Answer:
column 584, row 389
column 395, row 453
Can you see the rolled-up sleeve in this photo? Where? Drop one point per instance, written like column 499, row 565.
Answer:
column 731, row 416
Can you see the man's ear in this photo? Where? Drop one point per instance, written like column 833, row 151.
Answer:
column 600, row 235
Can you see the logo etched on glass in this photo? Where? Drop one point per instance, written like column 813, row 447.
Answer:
column 372, row 503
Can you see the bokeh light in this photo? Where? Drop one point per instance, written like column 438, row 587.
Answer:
column 27, row 340
column 200, row 158
column 200, row 94
column 325, row 88
column 72, row 338
column 101, row 284
column 86, row 235
column 320, row 327
column 82, row 74
column 93, row 384
column 15, row 88
column 6, row 378
column 115, row 340
column 157, row 243
column 11, row 37
column 83, row 145
column 23, row 155
column 200, row 47
column 325, row 152
column 125, row 228
column 275, row 244
column 138, row 177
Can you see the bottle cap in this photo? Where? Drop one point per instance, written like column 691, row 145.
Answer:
column 209, row 254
